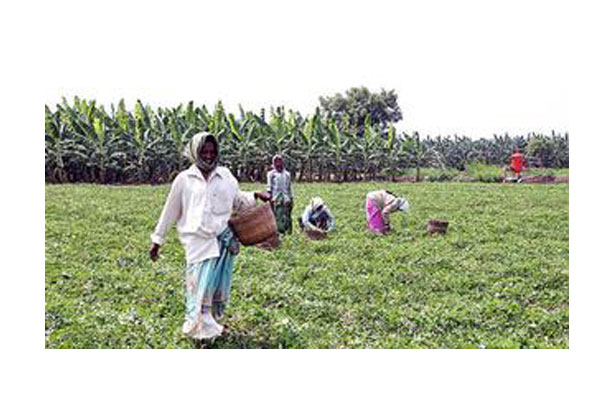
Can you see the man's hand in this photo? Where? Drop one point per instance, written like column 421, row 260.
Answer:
column 154, row 249
column 263, row 196
column 234, row 248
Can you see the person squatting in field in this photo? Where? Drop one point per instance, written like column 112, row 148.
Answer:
column 279, row 186
column 201, row 201
column 317, row 217
column 378, row 207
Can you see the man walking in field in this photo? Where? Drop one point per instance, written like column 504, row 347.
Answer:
column 201, row 202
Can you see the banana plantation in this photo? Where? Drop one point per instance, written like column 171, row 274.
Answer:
column 85, row 142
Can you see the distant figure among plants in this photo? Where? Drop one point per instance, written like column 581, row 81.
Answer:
column 379, row 205
column 517, row 163
column 317, row 218
column 279, row 186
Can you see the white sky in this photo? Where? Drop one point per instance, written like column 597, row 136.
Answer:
column 457, row 67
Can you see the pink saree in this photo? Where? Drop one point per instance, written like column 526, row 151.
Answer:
column 374, row 218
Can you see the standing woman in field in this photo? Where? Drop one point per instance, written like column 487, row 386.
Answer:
column 279, row 186
column 379, row 205
column 201, row 201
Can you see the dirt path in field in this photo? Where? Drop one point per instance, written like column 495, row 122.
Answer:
column 524, row 179
column 543, row 179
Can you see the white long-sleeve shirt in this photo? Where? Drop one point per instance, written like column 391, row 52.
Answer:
column 201, row 209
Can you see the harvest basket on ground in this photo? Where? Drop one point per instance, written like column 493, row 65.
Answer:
column 255, row 225
column 437, row 226
column 315, row 234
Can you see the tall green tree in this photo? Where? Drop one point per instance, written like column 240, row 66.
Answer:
column 358, row 103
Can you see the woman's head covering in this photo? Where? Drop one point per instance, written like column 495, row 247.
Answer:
column 400, row 204
column 276, row 157
column 191, row 151
column 316, row 202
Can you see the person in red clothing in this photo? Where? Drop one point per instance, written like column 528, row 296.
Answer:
column 517, row 162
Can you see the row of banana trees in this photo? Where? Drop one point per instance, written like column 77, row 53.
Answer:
column 87, row 143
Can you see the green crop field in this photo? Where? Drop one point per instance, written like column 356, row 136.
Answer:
column 498, row 279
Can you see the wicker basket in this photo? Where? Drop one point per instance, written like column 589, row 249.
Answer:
column 437, row 226
column 255, row 225
column 272, row 243
column 315, row 234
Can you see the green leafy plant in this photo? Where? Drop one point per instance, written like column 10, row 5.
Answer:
column 497, row 279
